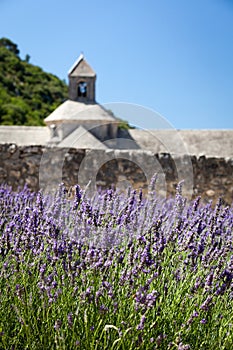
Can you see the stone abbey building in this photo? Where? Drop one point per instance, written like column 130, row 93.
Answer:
column 81, row 122
column 82, row 125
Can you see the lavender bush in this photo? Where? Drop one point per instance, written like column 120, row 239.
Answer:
column 114, row 272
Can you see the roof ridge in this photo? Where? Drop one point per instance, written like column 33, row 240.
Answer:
column 76, row 63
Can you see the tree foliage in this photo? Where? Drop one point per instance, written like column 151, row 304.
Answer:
column 27, row 93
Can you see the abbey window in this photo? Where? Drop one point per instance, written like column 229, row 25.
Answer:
column 82, row 89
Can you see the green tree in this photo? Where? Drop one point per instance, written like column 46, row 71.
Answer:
column 27, row 93
column 8, row 44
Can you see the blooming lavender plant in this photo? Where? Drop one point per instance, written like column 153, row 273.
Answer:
column 114, row 271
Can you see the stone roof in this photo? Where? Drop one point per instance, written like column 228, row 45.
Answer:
column 211, row 143
column 79, row 111
column 81, row 68
column 24, row 135
column 81, row 138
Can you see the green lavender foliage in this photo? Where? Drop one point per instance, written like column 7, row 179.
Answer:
column 115, row 271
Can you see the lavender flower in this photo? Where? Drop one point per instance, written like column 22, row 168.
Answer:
column 206, row 305
column 109, row 254
column 70, row 319
column 203, row 321
column 57, row 325
column 142, row 322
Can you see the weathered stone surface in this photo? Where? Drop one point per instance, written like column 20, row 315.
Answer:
column 16, row 174
column 210, row 193
column 3, row 173
column 44, row 167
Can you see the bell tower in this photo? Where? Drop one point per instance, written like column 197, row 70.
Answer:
column 82, row 81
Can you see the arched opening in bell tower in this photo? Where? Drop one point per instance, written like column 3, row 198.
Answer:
column 82, row 89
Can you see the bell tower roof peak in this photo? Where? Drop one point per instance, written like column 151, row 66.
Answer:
column 81, row 68
column 82, row 81
column 79, row 59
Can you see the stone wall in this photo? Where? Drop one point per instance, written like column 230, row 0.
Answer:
column 44, row 167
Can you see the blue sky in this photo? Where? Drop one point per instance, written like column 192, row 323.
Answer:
column 172, row 56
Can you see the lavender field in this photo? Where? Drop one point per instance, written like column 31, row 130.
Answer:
column 114, row 272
